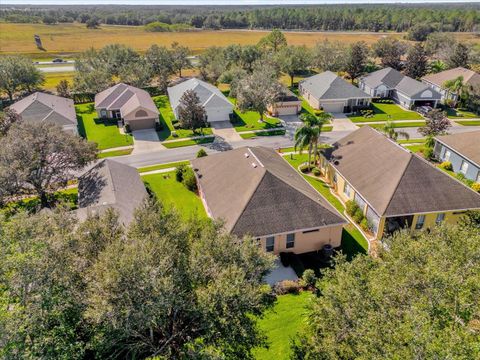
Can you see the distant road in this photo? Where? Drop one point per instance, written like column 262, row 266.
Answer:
column 55, row 69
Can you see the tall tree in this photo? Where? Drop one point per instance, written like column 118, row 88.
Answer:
column 329, row 56
column 180, row 59
column 419, row 32
column 137, row 73
column 293, row 59
column 390, row 51
column 416, row 299
column 39, row 158
column 8, row 117
column 313, row 130
column 436, row 124
column 249, row 56
column 191, row 114
column 18, row 73
column 212, row 64
column 356, row 59
column 304, row 137
column 437, row 66
column 274, row 41
column 459, row 56
column 458, row 87
column 63, row 88
column 160, row 61
column 416, row 64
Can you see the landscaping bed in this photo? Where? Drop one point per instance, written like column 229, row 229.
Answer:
column 385, row 112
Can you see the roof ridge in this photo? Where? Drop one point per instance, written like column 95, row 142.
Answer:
column 107, row 162
column 123, row 92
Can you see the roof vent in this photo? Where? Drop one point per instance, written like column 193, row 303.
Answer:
column 247, row 155
column 254, row 165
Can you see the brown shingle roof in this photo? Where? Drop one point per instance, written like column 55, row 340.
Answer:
column 469, row 77
column 265, row 199
column 393, row 180
column 466, row 144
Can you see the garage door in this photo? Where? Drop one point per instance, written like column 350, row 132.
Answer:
column 287, row 110
column 333, row 107
column 218, row 115
column 141, row 124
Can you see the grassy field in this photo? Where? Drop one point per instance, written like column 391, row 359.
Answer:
column 281, row 324
column 384, row 112
column 175, row 194
column 52, row 79
column 162, row 166
column 64, row 39
column 105, row 133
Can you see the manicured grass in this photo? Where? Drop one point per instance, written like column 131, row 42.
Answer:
column 468, row 123
column 166, row 117
column 104, row 132
column 415, row 148
column 262, row 133
column 174, row 194
column 162, row 166
column 412, row 141
column 397, row 125
column 383, row 111
column 114, row 153
column 461, row 114
column 249, row 120
column 281, row 324
column 200, row 141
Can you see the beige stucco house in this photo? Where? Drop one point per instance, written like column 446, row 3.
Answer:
column 287, row 104
column 256, row 192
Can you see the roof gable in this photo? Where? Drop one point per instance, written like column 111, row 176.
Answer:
column 466, row 144
column 469, row 77
column 329, row 86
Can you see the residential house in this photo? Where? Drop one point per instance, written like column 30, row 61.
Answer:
column 437, row 81
column 50, row 108
column 287, row 104
column 405, row 91
column 130, row 105
column 216, row 105
column 330, row 92
column 256, row 192
column 394, row 187
column 110, row 184
column 463, row 151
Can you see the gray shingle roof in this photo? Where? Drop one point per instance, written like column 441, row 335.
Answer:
column 466, row 144
column 46, row 107
column 394, row 79
column 393, row 180
column 206, row 93
column 110, row 184
column 329, row 86
column 269, row 198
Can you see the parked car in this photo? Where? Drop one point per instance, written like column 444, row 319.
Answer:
column 57, row 60
column 424, row 110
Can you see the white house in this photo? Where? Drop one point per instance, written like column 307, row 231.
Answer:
column 216, row 105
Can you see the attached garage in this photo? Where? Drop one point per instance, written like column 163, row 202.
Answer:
column 333, row 107
column 141, row 124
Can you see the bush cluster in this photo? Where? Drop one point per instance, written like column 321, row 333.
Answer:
column 309, row 279
column 447, row 165
column 201, row 153
column 287, row 287
column 367, row 113
column 316, row 171
column 383, row 101
column 476, row 187
column 186, row 176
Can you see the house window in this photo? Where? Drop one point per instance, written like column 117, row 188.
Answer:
column 347, row 189
column 335, row 179
column 420, row 222
column 290, row 241
column 446, row 156
column 440, row 218
column 116, row 114
column 103, row 113
column 478, row 177
column 270, row 243
column 464, row 167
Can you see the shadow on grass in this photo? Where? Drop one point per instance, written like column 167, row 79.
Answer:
column 350, row 246
column 81, row 127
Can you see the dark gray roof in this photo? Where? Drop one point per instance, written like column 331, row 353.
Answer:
column 110, row 184
column 255, row 191
column 393, row 180
column 329, row 86
column 466, row 144
column 46, row 107
column 394, row 79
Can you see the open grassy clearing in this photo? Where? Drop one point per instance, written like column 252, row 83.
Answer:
column 468, row 123
column 385, row 112
column 114, row 153
column 162, row 166
column 461, row 114
column 166, row 117
column 406, row 124
column 281, row 324
column 174, row 194
column 200, row 141
column 104, row 132
column 52, row 79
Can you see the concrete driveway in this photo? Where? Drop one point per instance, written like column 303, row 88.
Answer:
column 145, row 141
column 225, row 131
column 342, row 123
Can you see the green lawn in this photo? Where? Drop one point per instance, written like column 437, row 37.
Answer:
column 384, row 112
column 162, row 166
column 166, row 117
column 412, row 141
column 415, row 148
column 468, row 123
column 397, row 125
column 114, row 153
column 461, row 114
column 104, row 132
column 281, row 324
column 249, row 120
column 200, row 141
column 175, row 194
column 262, row 133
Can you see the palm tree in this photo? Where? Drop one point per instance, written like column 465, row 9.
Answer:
column 313, row 127
column 437, row 66
column 457, row 86
column 392, row 133
column 304, row 137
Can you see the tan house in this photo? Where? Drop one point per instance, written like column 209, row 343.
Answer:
column 130, row 105
column 287, row 104
column 437, row 81
column 394, row 187
column 256, row 192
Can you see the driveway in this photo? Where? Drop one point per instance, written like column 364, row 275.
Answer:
column 146, row 141
column 291, row 123
column 342, row 123
column 225, row 131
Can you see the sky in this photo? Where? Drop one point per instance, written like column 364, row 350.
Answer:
column 218, row 2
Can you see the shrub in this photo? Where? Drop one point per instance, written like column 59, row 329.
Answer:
column 287, row 287
column 309, row 278
column 127, row 128
column 179, row 171
column 364, row 224
column 201, row 153
column 317, row 112
column 447, row 165
column 460, row 177
column 351, row 207
column 316, row 171
column 428, row 153
column 304, row 168
column 174, row 134
column 189, row 179
column 476, row 187
column 358, row 216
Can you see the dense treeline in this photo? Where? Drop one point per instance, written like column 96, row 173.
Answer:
column 450, row 17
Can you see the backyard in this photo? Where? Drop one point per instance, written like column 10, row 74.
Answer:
column 385, row 112
column 174, row 194
column 104, row 132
